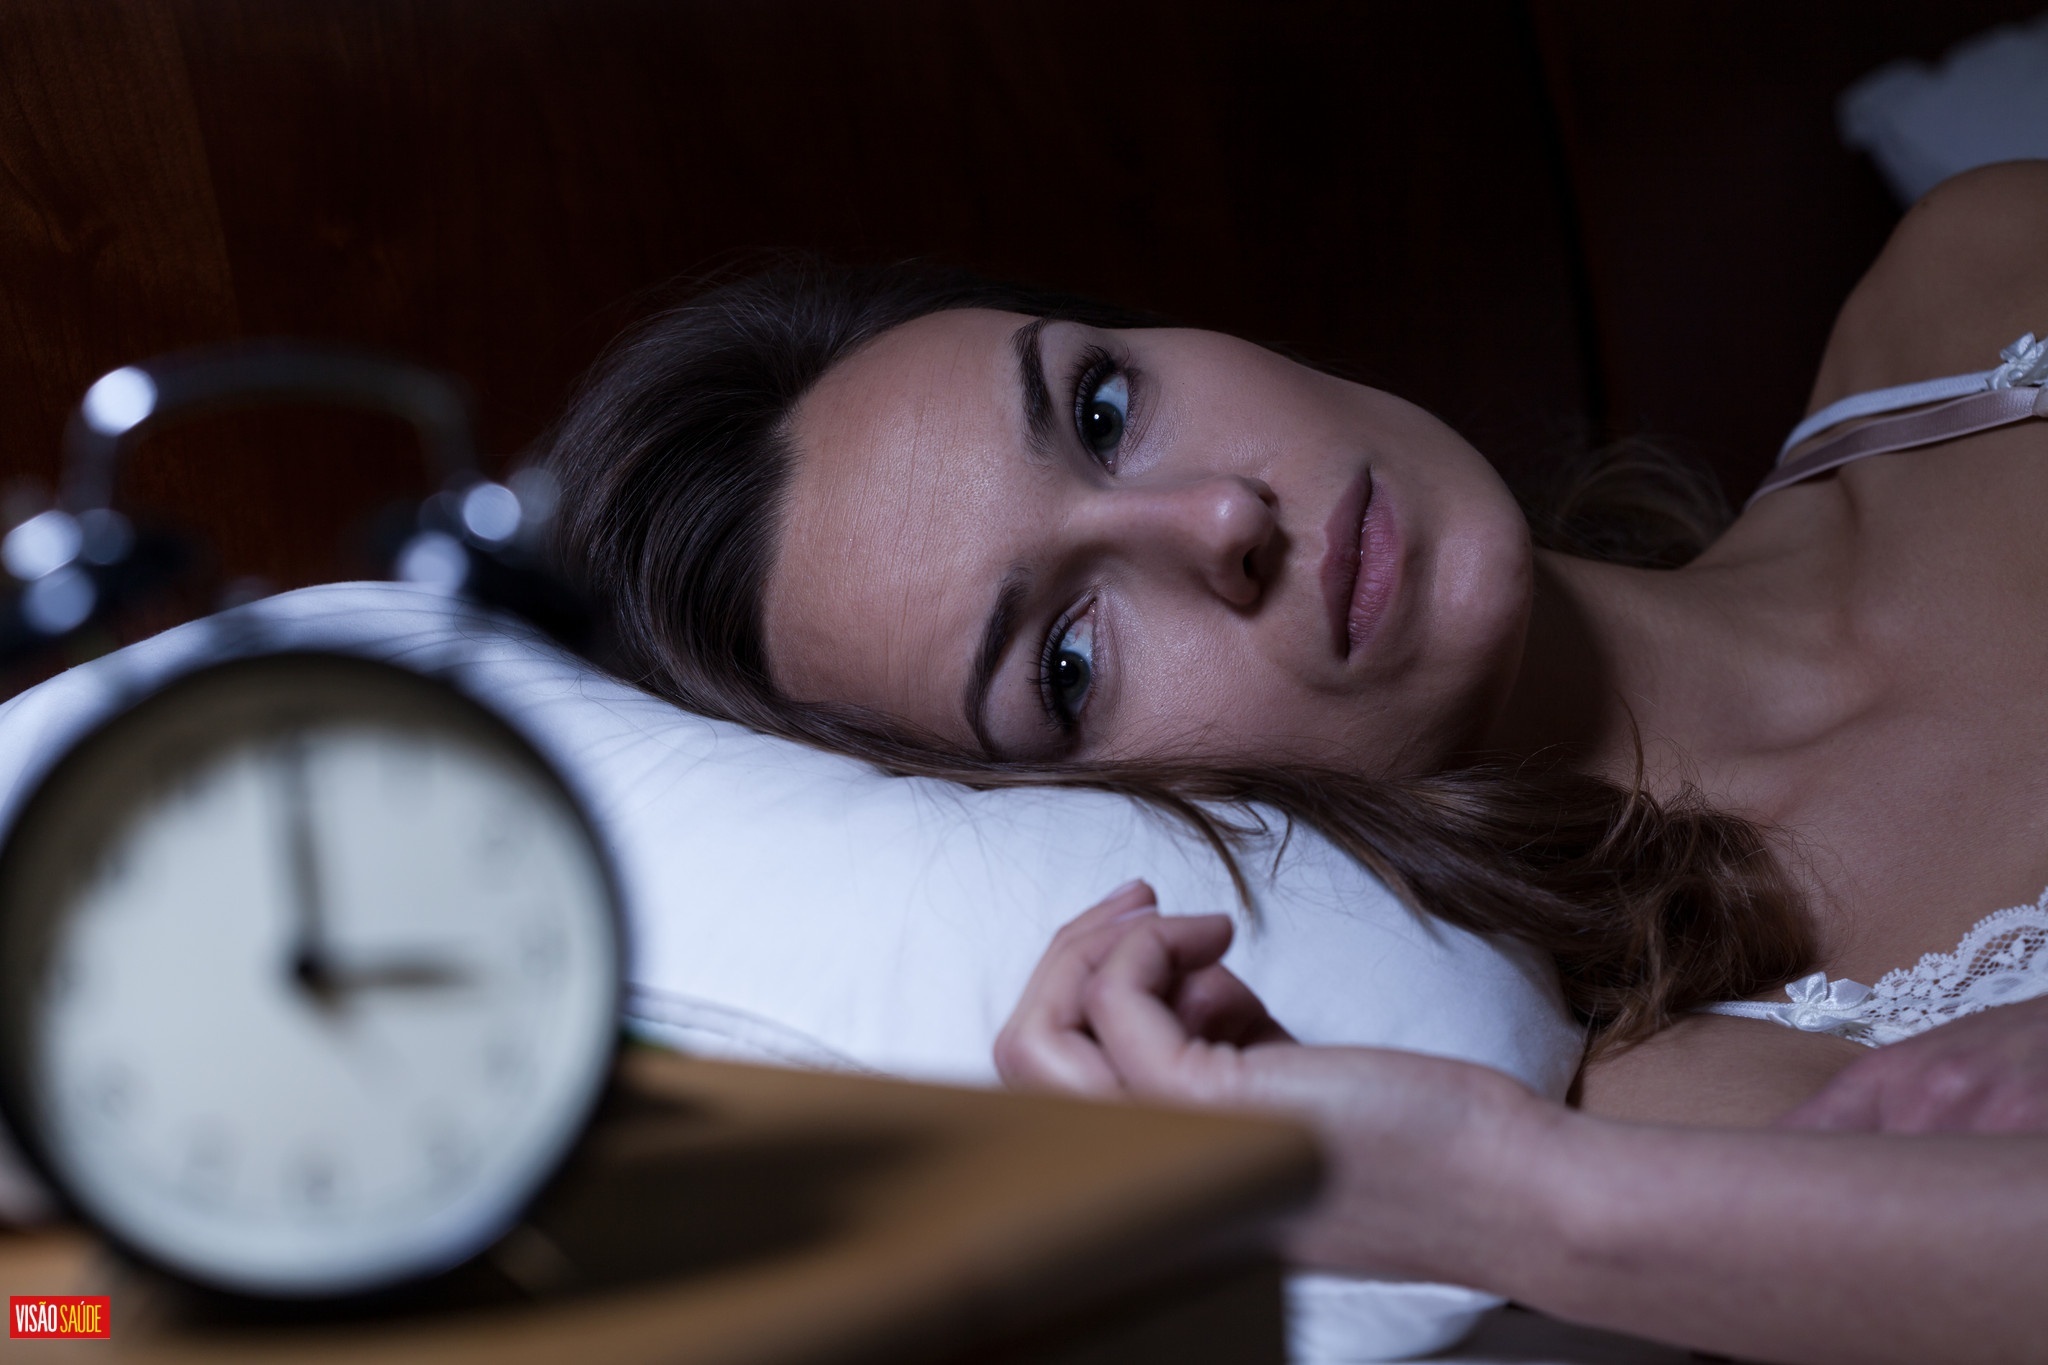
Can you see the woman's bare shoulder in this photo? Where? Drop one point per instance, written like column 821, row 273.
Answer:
column 1713, row 1071
column 1964, row 273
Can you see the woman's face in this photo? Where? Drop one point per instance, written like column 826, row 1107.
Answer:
column 1039, row 540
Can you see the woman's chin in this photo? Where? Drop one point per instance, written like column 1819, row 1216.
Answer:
column 1483, row 599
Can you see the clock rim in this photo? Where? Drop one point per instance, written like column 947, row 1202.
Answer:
column 18, row 1110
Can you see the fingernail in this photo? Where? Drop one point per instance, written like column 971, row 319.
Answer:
column 1134, row 914
column 1132, row 885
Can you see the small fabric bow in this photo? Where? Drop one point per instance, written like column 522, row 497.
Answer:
column 1819, row 1006
column 2026, row 364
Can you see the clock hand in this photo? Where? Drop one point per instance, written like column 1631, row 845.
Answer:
column 310, row 966
column 396, row 974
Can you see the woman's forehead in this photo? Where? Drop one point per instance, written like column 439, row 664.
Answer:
column 909, row 397
column 900, row 512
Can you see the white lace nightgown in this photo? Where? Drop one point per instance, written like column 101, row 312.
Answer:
column 2004, row 957
column 2001, row 961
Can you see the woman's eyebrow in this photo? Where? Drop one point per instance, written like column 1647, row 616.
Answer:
column 996, row 634
column 1037, row 398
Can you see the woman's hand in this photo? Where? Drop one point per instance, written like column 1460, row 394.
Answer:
column 1048, row 1043
column 1129, row 1002
column 1984, row 1073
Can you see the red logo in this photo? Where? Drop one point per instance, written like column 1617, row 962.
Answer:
column 56, row 1315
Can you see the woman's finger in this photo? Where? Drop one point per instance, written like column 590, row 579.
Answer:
column 1213, row 1003
column 1045, row 1044
column 1127, row 1009
column 1064, row 1061
column 1053, row 991
column 1129, row 898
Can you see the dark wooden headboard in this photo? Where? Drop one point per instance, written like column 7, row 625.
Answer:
column 1550, row 221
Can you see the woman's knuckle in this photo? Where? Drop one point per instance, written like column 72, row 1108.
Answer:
column 1950, row 1079
column 1012, row 1053
column 2014, row 1110
column 1095, row 992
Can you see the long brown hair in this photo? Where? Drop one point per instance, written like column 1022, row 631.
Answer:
column 672, row 462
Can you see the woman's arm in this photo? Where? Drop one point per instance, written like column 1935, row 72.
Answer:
column 1799, row 1247
column 1790, row 1246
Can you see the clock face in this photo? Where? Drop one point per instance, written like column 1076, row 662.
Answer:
column 310, row 975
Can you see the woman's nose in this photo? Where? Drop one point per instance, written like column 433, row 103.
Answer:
column 1218, row 528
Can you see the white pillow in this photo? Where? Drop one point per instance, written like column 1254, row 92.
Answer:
column 795, row 907
column 1985, row 101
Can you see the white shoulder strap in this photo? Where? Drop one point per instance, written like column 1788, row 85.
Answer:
column 2026, row 363
column 1977, row 402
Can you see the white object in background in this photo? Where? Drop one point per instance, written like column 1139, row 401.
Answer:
column 1985, row 101
column 799, row 908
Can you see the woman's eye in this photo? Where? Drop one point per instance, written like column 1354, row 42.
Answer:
column 1104, row 408
column 1068, row 669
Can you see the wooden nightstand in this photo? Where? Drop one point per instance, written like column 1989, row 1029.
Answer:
column 748, row 1216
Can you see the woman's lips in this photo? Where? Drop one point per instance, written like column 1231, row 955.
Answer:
column 1358, row 565
column 1342, row 540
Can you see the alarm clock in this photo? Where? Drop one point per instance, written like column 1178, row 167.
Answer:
column 311, row 975
column 310, row 965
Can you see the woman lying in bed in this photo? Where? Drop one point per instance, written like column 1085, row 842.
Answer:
column 996, row 535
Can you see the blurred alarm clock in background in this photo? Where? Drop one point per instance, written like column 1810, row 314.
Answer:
column 310, row 965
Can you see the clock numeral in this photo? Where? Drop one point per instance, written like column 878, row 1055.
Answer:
column 407, row 769
column 65, row 981
column 181, row 773
column 208, row 1167
column 495, row 837
column 449, row 1160
column 542, row 950
column 507, row 1064
column 114, row 1094
column 114, row 868
column 499, row 847
column 314, row 1181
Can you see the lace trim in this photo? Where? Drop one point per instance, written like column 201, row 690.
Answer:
column 2026, row 364
column 2002, row 960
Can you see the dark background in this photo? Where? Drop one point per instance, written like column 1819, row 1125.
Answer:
column 1553, row 223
